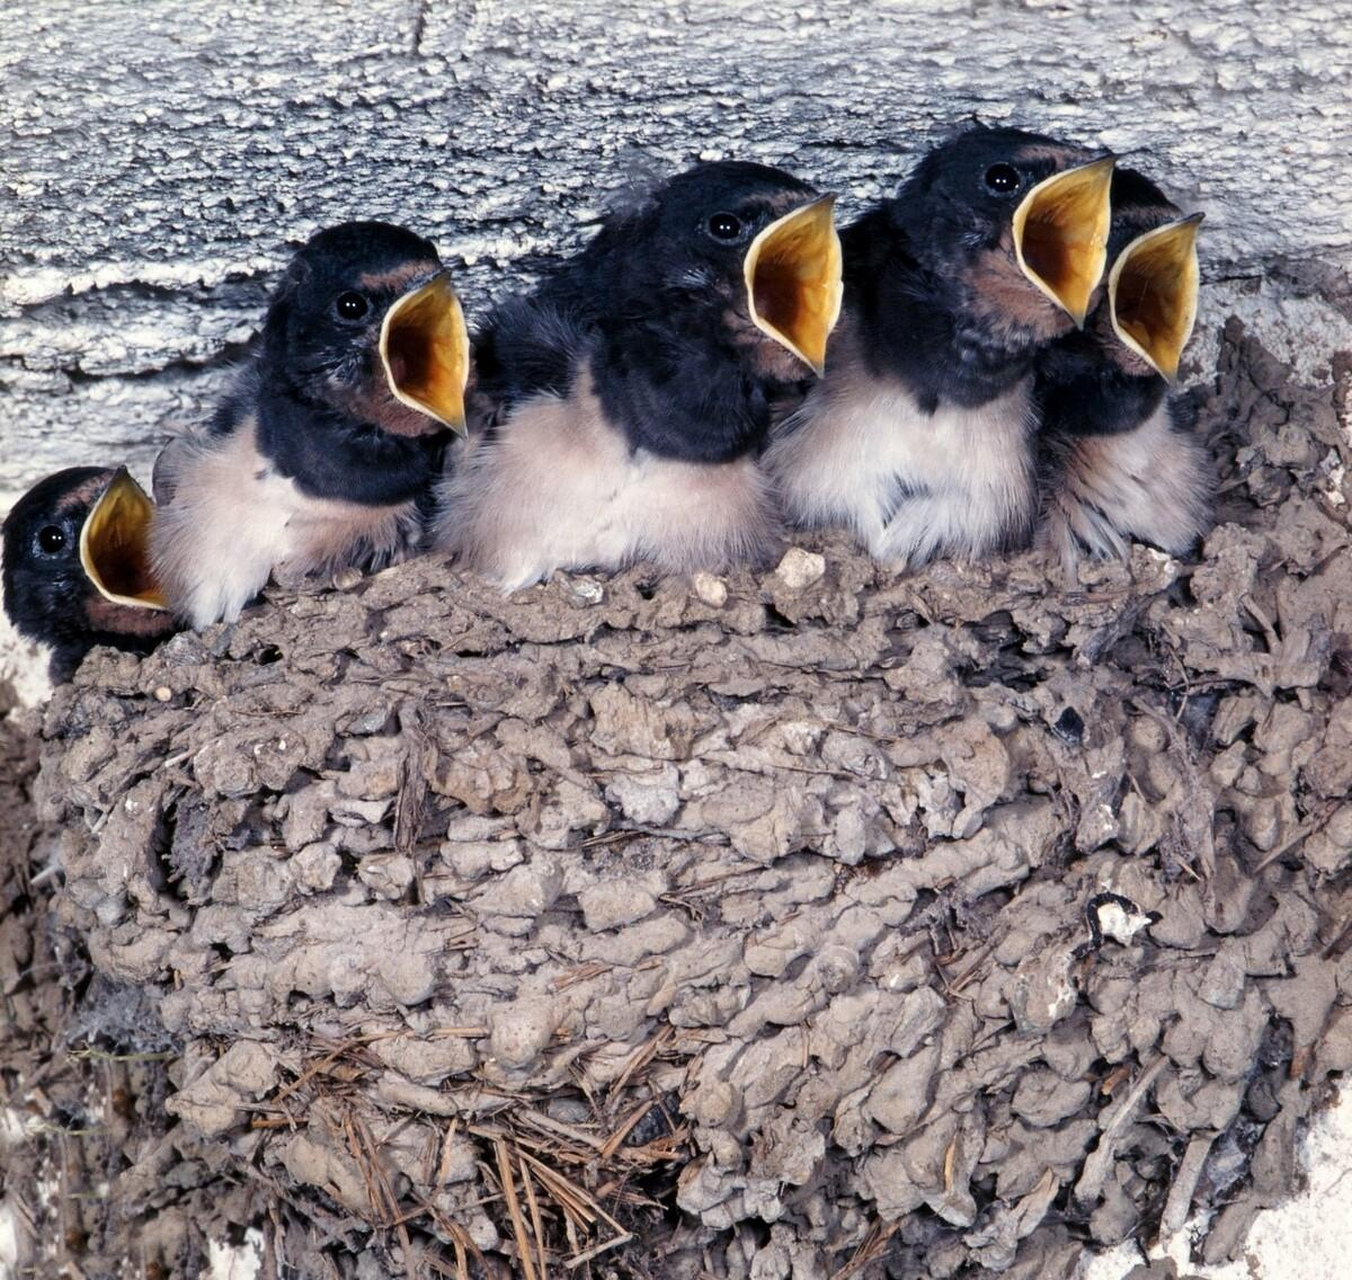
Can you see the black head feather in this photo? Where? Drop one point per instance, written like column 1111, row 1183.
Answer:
column 48, row 596
column 326, row 415
column 326, row 312
column 656, row 301
column 932, row 275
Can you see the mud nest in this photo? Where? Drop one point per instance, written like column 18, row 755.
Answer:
column 815, row 923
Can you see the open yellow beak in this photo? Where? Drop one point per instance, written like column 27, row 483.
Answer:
column 793, row 280
column 115, row 545
column 1061, row 234
column 424, row 346
column 1152, row 293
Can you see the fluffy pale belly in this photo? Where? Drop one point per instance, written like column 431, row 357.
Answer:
column 911, row 485
column 1152, row 484
column 559, row 488
column 232, row 522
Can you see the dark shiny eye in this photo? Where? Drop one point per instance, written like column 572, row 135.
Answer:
column 51, row 539
column 725, row 226
column 1003, row 178
column 351, row 306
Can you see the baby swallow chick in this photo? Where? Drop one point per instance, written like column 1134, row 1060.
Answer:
column 1118, row 462
column 919, row 438
column 621, row 405
column 77, row 567
column 322, row 453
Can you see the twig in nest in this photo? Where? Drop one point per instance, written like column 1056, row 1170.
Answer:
column 98, row 1055
column 317, row 1068
column 358, row 1042
column 523, row 1250
column 582, row 973
column 580, row 1207
column 1100, row 1160
column 461, row 1242
column 555, row 1128
column 612, row 1143
column 384, row 1205
column 641, row 1058
column 870, row 1250
column 536, row 1225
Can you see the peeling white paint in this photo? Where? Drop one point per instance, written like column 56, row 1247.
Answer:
column 1309, row 1238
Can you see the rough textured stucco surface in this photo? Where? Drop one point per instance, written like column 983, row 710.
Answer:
column 156, row 159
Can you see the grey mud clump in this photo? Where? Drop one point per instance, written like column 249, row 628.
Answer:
column 819, row 922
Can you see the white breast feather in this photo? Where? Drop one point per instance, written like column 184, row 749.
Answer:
column 965, row 476
column 1152, row 484
column 558, row 487
column 233, row 520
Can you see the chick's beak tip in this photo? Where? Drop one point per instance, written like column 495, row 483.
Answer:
column 1061, row 234
column 793, row 280
column 424, row 350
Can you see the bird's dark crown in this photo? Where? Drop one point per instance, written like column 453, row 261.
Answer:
column 353, row 249
column 931, row 272
column 756, row 193
column 335, row 292
column 965, row 181
column 47, row 592
column 658, row 303
column 326, row 415
column 684, row 242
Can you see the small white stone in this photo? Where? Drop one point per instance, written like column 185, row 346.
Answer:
column 1119, row 924
column 799, row 568
column 346, row 579
column 711, row 589
column 585, row 591
column 163, row 693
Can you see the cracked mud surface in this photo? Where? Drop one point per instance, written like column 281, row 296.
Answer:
column 803, row 924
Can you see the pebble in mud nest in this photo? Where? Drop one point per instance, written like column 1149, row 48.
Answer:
column 519, row 1032
column 710, row 588
column 799, row 568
